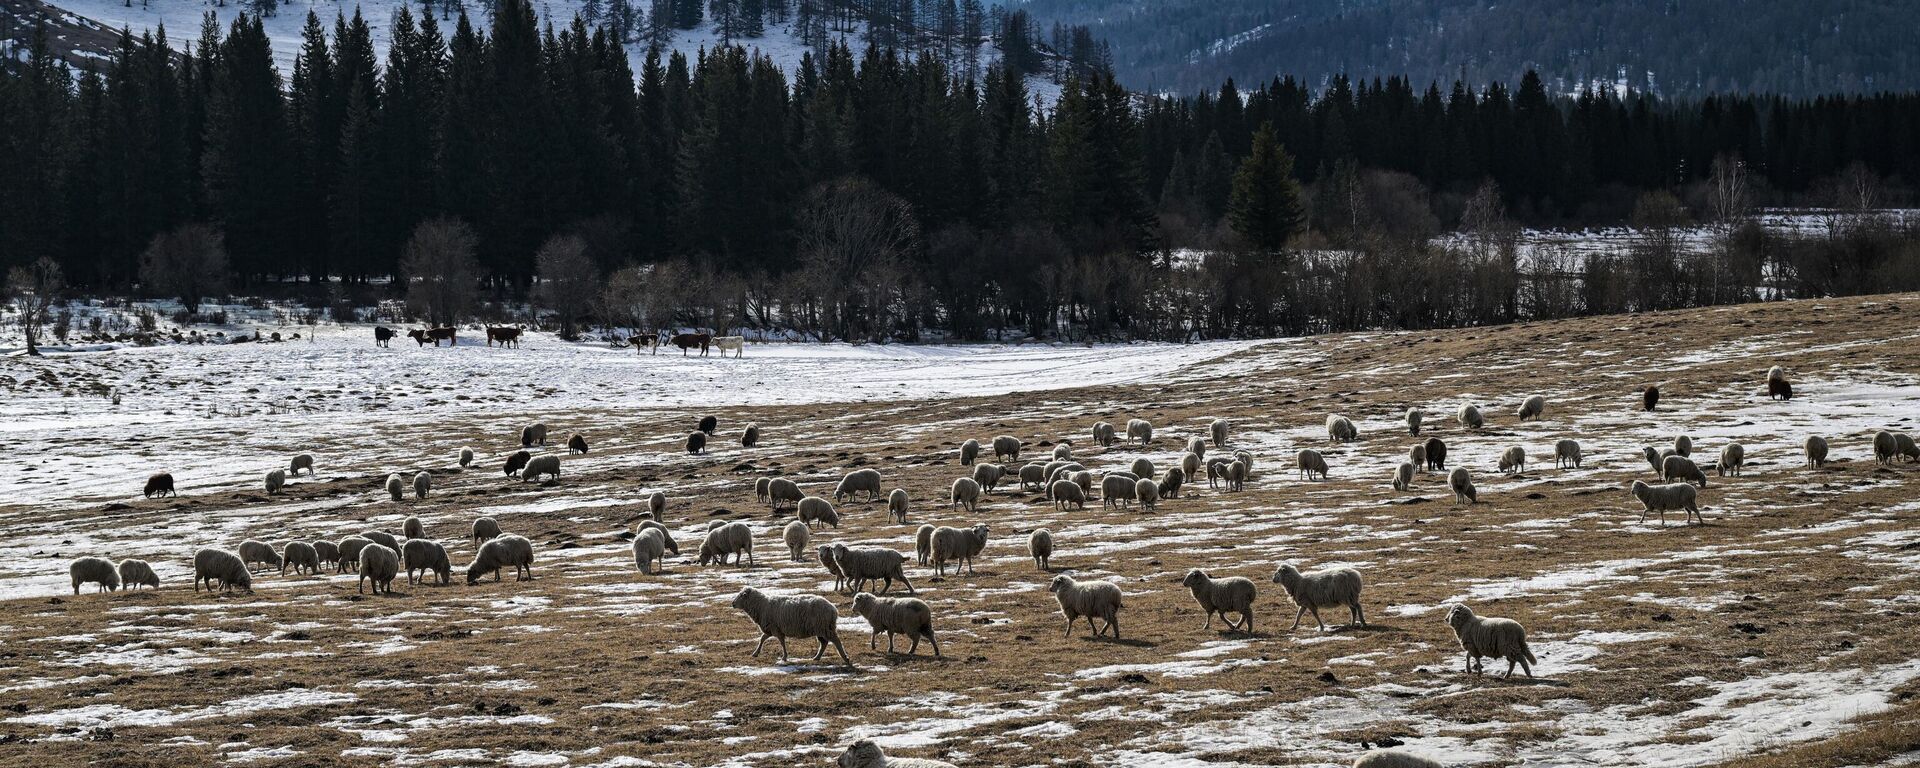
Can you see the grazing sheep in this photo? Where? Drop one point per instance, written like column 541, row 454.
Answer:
column 870, row 564
column 866, row 754
column 1403, row 476
column 210, row 565
column 422, row 556
column 969, row 451
column 1532, row 408
column 1417, row 455
column 1462, row 485
column 666, row 536
column 1006, row 448
column 897, row 615
column 422, row 482
column 160, row 483
column 300, row 462
column 1053, row 469
column 708, row 424
column 547, row 464
column 1092, row 599
column 516, row 462
column 1777, row 386
column 960, row 545
column 1682, row 468
column 1340, row 429
column 275, row 480
column 1237, row 475
column 1084, row 479
column 1328, row 588
column 1566, row 453
column 1683, row 445
column 1197, row 446
column 796, row 534
column 348, row 551
column 867, row 480
column 1885, row 447
column 1233, row 594
column 750, row 436
column 1140, row 429
column 760, row 488
column 1732, row 458
column 1066, row 492
column 396, row 487
column 1117, row 490
column 300, row 555
column 328, row 552
column 1661, row 498
column 379, row 565
column 1033, row 477
column 1491, row 638
column 1906, row 447
column 1063, row 451
column 730, row 539
column 1040, row 547
column 966, row 492
column 1436, row 454
column 466, row 457
column 1513, row 460
column 988, row 475
column 1393, row 758
column 796, row 616
column 897, row 504
column 1816, row 450
column 923, row 544
column 533, row 434
column 1170, row 483
column 650, row 547
column 1147, row 492
column 576, row 444
column 94, row 570
column 252, row 551
column 412, row 528
column 501, row 552
column 1141, row 467
column 1310, row 463
column 1649, row 397
column 382, row 538
column 781, row 489
column 1217, row 430
column 134, row 573
column 696, row 442
column 1414, row 417
column 485, row 528
column 657, row 505
column 833, row 567
column 1658, row 459
column 1104, row 435
column 1190, row 464
column 1469, row 417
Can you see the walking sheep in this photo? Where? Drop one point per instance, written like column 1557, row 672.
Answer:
column 1116, row 490
column 422, row 556
column 485, row 528
column 1491, row 638
column 1777, row 386
column 988, row 475
column 348, row 551
column 1092, row 599
column 960, row 545
column 211, row 565
column 969, row 451
column 781, row 489
column 379, row 565
column 1417, row 456
column 1006, row 448
column 1732, row 458
column 576, row 444
column 135, row 573
column 833, row 567
column 275, row 480
column 1233, row 594
column 301, row 556
column 251, row 552
column 1340, row 429
column 1414, row 417
column 1816, row 450
column 1403, row 476
column 860, row 480
column 966, row 492
column 1140, row 429
column 730, row 539
column 501, row 552
column 809, row 616
column 533, row 434
column 1064, row 492
column 760, row 488
column 866, row 565
column 328, row 552
column 1310, row 463
column 1682, row 468
column 923, row 544
column 1217, row 430
column 657, row 505
column 396, row 487
column 1532, row 408
column 1040, row 547
column 94, row 570
column 866, row 754
column 1661, row 498
column 1566, row 453
column 1462, row 485
column 1469, row 417
column 300, row 462
column 1513, row 460
column 548, row 464
column 696, row 442
column 1237, row 475
column 1314, row 590
column 1885, row 447
column 1658, row 459
column 897, row 615
column 1436, row 454
column 516, row 462
column 750, row 436
column 422, row 482
column 650, row 547
column 159, row 483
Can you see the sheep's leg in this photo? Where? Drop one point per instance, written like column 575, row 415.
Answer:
column 1297, row 616
column 1209, row 622
column 763, row 644
column 903, row 580
column 936, row 644
column 1509, row 672
column 1113, row 623
column 1469, row 669
column 1316, row 618
column 823, row 648
column 890, row 642
column 1524, row 667
column 1246, row 621
column 842, row 649
column 1359, row 614
column 784, row 655
column 1071, row 620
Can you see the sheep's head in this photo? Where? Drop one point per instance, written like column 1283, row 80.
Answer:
column 1635, row 488
column 1286, row 573
column 1459, row 615
column 1194, row 578
column 747, row 595
column 863, row 753
column 1059, row 583
column 863, row 603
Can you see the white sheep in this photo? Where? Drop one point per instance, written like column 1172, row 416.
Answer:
column 969, row 451
column 1469, row 417
column 1532, row 408
column 867, row 480
column 1040, row 547
column 412, row 528
column 396, row 487
column 1066, row 492
column 1217, row 430
column 210, row 565
column 1103, row 434
column 1147, row 492
column 1683, row 445
column 833, row 567
column 865, row 565
column 1006, row 448
column 1732, row 458
column 1661, row 498
column 1063, row 451
column 134, row 573
column 814, row 509
column 1414, row 417
column 1141, row 467
column 897, row 615
column 923, row 544
column 1217, row 471
column 533, row 434
column 988, row 475
column 1403, row 476
column 1816, row 450
column 1310, row 463
column 252, row 551
column 897, row 505
column 501, row 552
column 1117, row 490
column 1033, row 477
column 1417, row 455
column 966, row 492
column 781, row 489
column 1327, row 588
column 1513, row 460
column 466, row 457
column 1566, row 453
column 422, row 482
column 94, row 570
column 382, row 538
column 1237, row 475
column 960, row 545
column 1656, row 458
column 1885, row 447
column 1092, row 599
column 1190, row 464
column 547, row 464
column 1140, row 429
column 349, row 552
column 734, row 538
column 484, row 528
column 1393, row 758
column 1197, row 446
column 1462, row 485
column 1246, row 460
column 796, row 534
column 1233, row 594
column 760, row 488
column 422, row 556
column 328, row 552
column 666, row 536
column 1777, row 386
column 299, row 555
column 276, row 480
column 1340, row 429
column 1491, row 638
column 866, row 754
column 750, row 436
column 1679, row 467
column 796, row 616
column 1907, row 448
column 300, row 462
column 650, row 547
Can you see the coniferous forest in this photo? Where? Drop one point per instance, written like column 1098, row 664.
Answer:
column 875, row 194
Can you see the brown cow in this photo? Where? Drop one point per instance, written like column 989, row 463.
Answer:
column 505, row 336
column 421, row 337
column 686, row 341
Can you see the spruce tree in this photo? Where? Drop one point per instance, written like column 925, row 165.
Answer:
column 1265, row 205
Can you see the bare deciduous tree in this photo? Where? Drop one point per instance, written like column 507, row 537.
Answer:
column 34, row 287
column 854, row 242
column 189, row 262
column 566, row 280
column 441, row 273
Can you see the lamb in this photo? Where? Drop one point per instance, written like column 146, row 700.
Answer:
column 1682, row 468
column 348, row 551
column 1006, row 448
column 501, row 552
column 466, row 457
column 1661, row 498
column 1103, row 434
column 969, row 451
column 1436, row 454
column 897, row 504
column 1197, row 446
column 730, row 539
column 1816, row 450
column 1491, row 638
column 1117, row 490
column 1683, row 445
column 709, row 423
column 1148, row 492
column 833, row 567
column 1217, row 430
column 1064, row 492
column 1040, row 547
column 988, row 475
column 134, row 573
column 1231, row 594
column 781, row 489
column 1532, row 408
column 1310, row 463
column 1328, row 588
column 696, row 442
column 422, row 556
column 94, row 570
column 1340, row 429
column 1170, row 483
column 650, row 547
column 1885, row 447
column 300, row 462
column 897, row 615
column 382, row 538
column 1469, row 417
column 485, row 528
column 961, row 545
column 1141, row 467
column 1414, row 417
column 867, row 480
column 869, row 564
column 1403, row 476
column 1732, row 458
column 666, row 536
column 328, row 552
column 379, row 565
column 1777, row 386
column 533, row 434
column 1566, row 453
column 396, row 487
column 1393, row 758
column 1033, row 477
column 923, row 544
column 866, row 754
column 516, row 462
column 1658, row 459
column 300, row 555
column 966, row 492
column 750, row 436
column 1140, row 429
column 1417, row 455
column 275, row 480
column 258, row 552
column 1904, row 443
column 797, row 616
column 160, row 483
column 1462, row 485
column 795, row 534
column 422, row 482
column 1513, row 460
column 412, row 528
column 210, row 565
column 1649, row 397
column 576, row 444
column 760, row 488
column 1092, row 599
column 548, row 464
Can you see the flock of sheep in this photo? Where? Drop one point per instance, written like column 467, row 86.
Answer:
column 378, row 556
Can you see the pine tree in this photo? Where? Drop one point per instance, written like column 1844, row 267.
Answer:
column 1265, row 205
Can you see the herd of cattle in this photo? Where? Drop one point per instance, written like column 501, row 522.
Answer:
column 510, row 337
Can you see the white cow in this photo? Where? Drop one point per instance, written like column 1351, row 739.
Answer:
column 736, row 343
